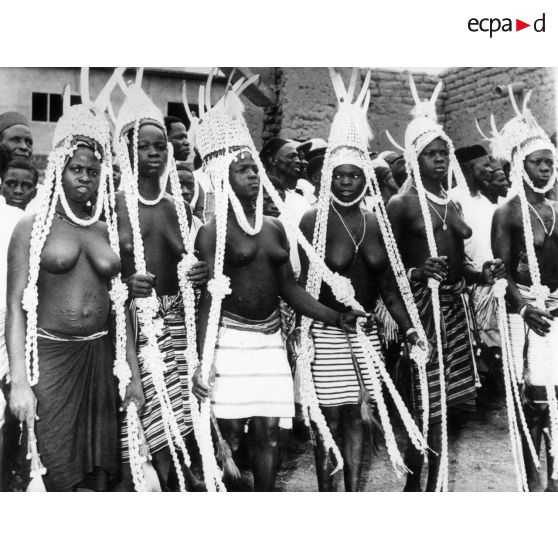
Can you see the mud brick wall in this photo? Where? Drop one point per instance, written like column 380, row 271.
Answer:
column 470, row 94
column 306, row 102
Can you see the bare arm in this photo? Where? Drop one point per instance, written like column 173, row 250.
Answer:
column 205, row 247
column 535, row 318
column 292, row 292
column 22, row 400
column 501, row 238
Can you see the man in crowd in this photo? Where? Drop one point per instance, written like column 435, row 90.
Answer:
column 9, row 216
column 178, row 136
column 15, row 135
column 478, row 205
column 19, row 183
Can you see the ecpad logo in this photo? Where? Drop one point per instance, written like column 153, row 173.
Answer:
column 492, row 25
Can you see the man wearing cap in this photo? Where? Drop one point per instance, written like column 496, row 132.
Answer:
column 311, row 153
column 282, row 164
column 15, row 135
column 478, row 210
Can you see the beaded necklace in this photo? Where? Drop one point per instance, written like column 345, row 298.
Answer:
column 353, row 238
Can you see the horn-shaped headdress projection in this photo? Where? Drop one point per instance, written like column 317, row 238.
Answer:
column 421, row 131
column 82, row 125
column 137, row 110
column 348, row 144
column 221, row 135
column 518, row 138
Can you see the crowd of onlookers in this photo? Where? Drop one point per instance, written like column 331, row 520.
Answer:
column 294, row 168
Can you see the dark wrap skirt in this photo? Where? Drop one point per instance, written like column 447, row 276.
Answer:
column 77, row 430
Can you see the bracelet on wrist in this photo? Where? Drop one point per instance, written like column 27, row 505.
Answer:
column 523, row 309
column 409, row 332
column 410, row 273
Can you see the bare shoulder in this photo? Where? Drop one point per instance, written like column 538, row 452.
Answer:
column 207, row 235
column 309, row 217
column 24, row 226
column 398, row 203
column 274, row 224
column 371, row 220
column 508, row 210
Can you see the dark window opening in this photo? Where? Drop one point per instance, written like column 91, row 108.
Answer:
column 39, row 107
column 177, row 110
column 47, row 107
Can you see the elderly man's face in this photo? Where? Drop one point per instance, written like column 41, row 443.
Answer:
column 18, row 141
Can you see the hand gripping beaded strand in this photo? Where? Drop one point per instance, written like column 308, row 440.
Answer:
column 422, row 130
column 79, row 120
column 216, row 128
column 147, row 307
column 513, row 401
column 442, row 481
column 518, row 138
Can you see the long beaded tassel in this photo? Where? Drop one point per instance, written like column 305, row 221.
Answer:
column 420, row 357
column 513, row 404
column 344, row 293
column 543, row 357
column 143, row 473
column 146, row 311
column 38, row 470
column 309, row 399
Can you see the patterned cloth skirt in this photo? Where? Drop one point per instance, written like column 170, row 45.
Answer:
column 253, row 376
column 172, row 344
column 459, row 361
column 333, row 372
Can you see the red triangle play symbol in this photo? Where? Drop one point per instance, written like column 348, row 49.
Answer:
column 519, row 25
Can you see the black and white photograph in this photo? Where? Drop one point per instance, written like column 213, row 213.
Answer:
column 290, row 279
column 252, row 254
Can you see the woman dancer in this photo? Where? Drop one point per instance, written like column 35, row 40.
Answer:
column 430, row 232
column 248, row 257
column 154, row 230
column 524, row 236
column 63, row 273
column 351, row 240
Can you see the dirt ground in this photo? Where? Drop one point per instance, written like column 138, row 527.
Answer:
column 479, row 452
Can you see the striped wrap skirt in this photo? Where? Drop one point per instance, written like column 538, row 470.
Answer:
column 457, row 351
column 172, row 344
column 253, row 376
column 335, row 379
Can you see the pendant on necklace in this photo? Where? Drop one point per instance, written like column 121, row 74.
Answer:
column 445, row 227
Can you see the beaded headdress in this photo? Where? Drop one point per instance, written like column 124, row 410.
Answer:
column 348, row 143
column 350, row 133
column 518, row 138
column 137, row 107
column 421, row 131
column 136, row 110
column 522, row 133
column 85, row 120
